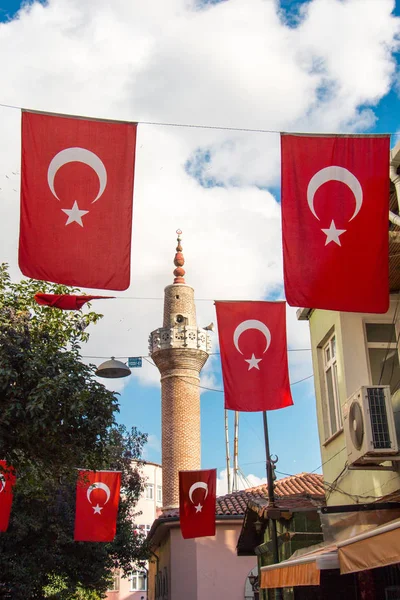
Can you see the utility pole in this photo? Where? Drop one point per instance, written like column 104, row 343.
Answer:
column 271, row 501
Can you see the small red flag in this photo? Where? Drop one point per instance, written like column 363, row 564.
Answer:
column 197, row 495
column 252, row 339
column 76, row 200
column 335, row 203
column 97, row 498
column 66, row 301
column 7, row 482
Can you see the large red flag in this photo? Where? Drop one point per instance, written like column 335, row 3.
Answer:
column 7, row 482
column 66, row 301
column 76, row 200
column 252, row 339
column 197, row 495
column 97, row 499
column 335, row 203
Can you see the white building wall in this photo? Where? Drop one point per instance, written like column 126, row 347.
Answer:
column 148, row 507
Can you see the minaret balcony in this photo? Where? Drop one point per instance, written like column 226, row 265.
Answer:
column 186, row 336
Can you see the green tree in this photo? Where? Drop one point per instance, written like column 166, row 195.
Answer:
column 55, row 417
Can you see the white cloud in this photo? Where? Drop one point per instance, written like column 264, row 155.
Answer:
column 244, row 483
column 235, row 64
column 153, row 445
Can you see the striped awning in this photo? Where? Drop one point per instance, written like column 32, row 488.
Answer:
column 379, row 547
column 302, row 570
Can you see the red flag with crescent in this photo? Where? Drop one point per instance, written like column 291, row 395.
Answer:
column 97, row 499
column 335, row 204
column 252, row 339
column 66, row 301
column 76, row 200
column 7, row 482
column 197, row 502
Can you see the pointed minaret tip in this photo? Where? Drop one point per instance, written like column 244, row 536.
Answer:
column 179, row 261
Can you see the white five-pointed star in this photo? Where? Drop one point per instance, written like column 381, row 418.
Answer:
column 198, row 508
column 332, row 234
column 74, row 214
column 253, row 362
column 97, row 509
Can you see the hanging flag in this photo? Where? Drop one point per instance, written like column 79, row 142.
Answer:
column 7, row 482
column 252, row 339
column 197, row 496
column 97, row 498
column 76, row 200
column 66, row 301
column 335, row 203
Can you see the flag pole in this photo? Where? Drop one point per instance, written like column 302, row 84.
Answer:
column 271, row 500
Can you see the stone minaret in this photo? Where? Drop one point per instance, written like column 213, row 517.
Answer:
column 179, row 349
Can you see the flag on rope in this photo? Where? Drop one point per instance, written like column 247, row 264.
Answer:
column 252, row 338
column 66, row 301
column 7, row 482
column 335, row 203
column 197, row 498
column 97, row 499
column 76, row 200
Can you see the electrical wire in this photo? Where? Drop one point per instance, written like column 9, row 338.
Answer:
column 202, row 387
column 148, row 356
column 390, row 342
column 193, row 126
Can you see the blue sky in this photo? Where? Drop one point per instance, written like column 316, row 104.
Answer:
column 223, row 64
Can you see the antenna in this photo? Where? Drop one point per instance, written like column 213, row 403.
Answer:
column 228, row 458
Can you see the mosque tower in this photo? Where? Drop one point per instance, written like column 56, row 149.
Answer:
column 179, row 349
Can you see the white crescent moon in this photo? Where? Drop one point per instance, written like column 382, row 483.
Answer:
column 101, row 486
column 77, row 155
column 251, row 324
column 2, row 483
column 335, row 174
column 197, row 485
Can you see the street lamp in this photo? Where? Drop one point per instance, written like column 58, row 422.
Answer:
column 113, row 369
column 253, row 579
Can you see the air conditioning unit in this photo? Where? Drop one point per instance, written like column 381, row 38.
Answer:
column 369, row 426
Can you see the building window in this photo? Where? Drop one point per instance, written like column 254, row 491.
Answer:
column 159, row 494
column 138, row 581
column 383, row 354
column 149, row 491
column 333, row 409
column 143, row 529
column 114, row 587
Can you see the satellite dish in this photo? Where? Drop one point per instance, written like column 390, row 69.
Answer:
column 356, row 423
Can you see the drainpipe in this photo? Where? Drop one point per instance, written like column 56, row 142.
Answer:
column 395, row 177
column 157, row 569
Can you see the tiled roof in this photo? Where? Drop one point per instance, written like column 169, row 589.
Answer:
column 297, row 491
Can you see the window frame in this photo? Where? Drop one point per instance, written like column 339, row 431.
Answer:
column 330, row 363
column 148, row 487
column 116, row 583
column 135, row 575
column 159, row 494
column 392, row 345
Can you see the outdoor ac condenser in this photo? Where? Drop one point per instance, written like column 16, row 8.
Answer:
column 369, row 425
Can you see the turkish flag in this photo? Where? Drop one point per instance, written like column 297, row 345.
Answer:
column 197, row 496
column 66, row 301
column 335, row 205
column 7, row 482
column 252, row 339
column 97, row 498
column 76, row 200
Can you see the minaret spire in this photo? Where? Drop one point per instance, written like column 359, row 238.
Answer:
column 179, row 261
column 180, row 349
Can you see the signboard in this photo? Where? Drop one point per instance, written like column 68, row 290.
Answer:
column 134, row 361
